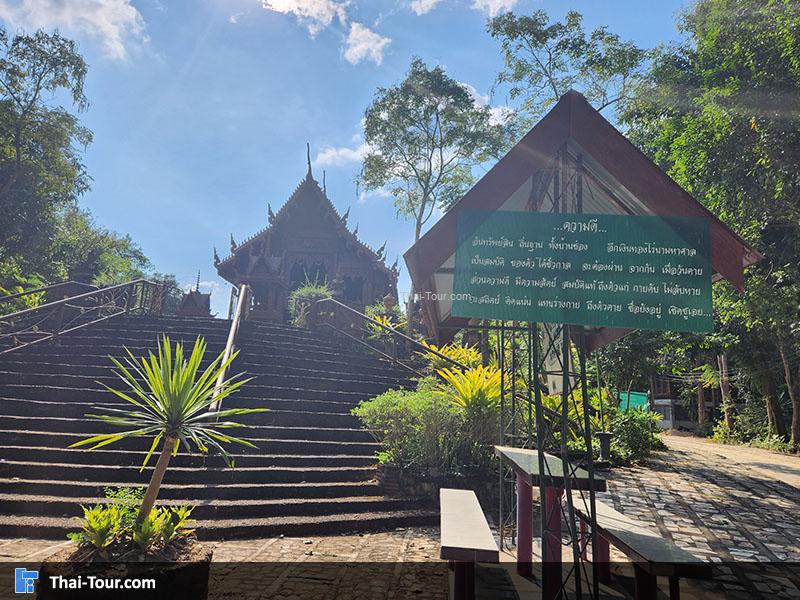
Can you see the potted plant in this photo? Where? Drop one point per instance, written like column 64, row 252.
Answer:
column 128, row 537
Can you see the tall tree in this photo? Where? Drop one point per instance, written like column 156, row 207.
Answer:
column 544, row 59
column 718, row 113
column 41, row 170
column 424, row 136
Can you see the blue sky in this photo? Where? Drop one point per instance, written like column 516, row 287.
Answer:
column 201, row 108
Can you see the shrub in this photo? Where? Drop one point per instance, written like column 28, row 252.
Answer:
column 418, row 430
column 476, row 395
column 635, row 435
column 302, row 298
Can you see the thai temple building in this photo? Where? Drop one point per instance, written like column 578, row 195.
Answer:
column 307, row 240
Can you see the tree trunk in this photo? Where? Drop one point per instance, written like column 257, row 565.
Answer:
column 412, row 291
column 725, row 390
column 701, row 407
column 793, row 395
column 773, row 410
column 155, row 480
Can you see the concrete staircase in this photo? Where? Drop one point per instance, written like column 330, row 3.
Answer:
column 313, row 472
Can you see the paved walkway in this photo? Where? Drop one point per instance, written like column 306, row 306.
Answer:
column 737, row 506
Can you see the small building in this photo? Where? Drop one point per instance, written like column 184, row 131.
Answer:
column 307, row 240
column 195, row 303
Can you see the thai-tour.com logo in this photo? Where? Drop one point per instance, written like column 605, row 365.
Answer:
column 25, row 581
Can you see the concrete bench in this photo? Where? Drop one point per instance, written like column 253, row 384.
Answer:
column 465, row 538
column 650, row 553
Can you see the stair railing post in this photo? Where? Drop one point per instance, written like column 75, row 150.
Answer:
column 241, row 310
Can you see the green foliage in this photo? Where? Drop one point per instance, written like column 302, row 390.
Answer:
column 424, row 136
column 101, row 525
column 302, row 298
column 112, row 526
column 635, row 435
column 43, row 234
column 418, row 429
column 21, row 303
column 175, row 523
column 146, row 532
column 476, row 389
column 716, row 113
column 40, row 142
column 172, row 398
column 543, row 60
column 127, row 500
column 476, row 394
column 469, row 356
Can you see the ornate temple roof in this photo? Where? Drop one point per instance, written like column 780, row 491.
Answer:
column 309, row 186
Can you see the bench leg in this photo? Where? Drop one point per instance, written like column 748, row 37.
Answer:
column 674, row 588
column 464, row 581
column 524, row 528
column 646, row 587
column 602, row 560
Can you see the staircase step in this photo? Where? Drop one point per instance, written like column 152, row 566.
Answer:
column 279, row 411
column 177, row 493
column 87, row 427
column 13, row 526
column 132, row 452
column 263, row 386
column 19, row 504
column 100, row 365
column 132, row 474
column 312, row 471
column 249, row 396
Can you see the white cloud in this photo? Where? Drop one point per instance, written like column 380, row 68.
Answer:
column 315, row 14
column 364, row 44
column 498, row 114
column 114, row 22
column 379, row 193
column 340, row 156
column 205, row 286
column 493, row 7
column 422, row 7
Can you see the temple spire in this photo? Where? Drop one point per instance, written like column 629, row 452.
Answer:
column 324, row 186
column 308, row 159
column 197, row 286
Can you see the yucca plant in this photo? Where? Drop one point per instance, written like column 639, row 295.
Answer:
column 172, row 402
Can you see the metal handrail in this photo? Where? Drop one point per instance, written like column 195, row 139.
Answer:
column 391, row 330
column 47, row 322
column 242, row 307
column 46, row 288
column 408, row 339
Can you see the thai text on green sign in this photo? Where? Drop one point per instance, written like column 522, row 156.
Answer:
column 584, row 269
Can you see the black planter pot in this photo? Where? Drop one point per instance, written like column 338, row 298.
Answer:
column 172, row 580
column 604, row 437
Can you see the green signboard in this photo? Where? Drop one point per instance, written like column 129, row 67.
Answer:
column 584, row 269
